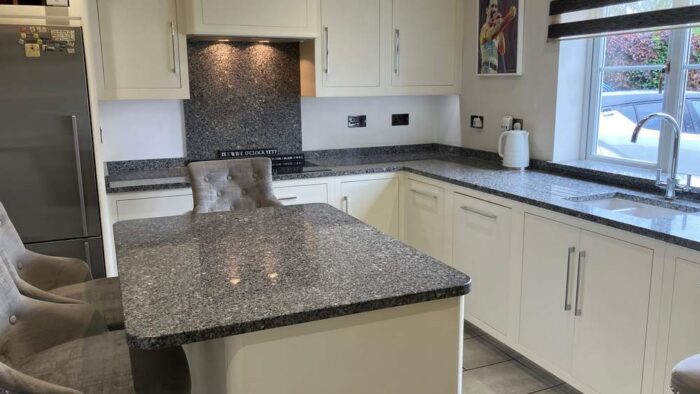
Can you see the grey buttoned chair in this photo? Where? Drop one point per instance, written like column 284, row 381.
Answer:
column 66, row 277
column 53, row 347
column 232, row 185
column 685, row 377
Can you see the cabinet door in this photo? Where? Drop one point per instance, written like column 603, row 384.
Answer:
column 350, row 43
column 424, row 37
column 259, row 18
column 144, row 208
column 303, row 194
column 481, row 249
column 549, row 264
column 141, row 49
column 684, row 334
column 375, row 202
column 425, row 218
column 614, row 287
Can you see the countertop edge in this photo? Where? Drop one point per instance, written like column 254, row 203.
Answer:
column 164, row 342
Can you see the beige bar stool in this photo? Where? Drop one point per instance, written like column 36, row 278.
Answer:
column 232, row 185
column 685, row 377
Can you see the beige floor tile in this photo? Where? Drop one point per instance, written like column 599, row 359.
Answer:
column 505, row 378
column 480, row 352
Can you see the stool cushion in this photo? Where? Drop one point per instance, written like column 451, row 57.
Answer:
column 104, row 364
column 685, row 377
column 232, row 185
column 103, row 294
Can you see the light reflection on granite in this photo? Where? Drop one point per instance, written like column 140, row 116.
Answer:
column 198, row 277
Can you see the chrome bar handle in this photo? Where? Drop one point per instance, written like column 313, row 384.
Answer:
column 347, row 204
column 288, row 198
column 326, row 65
column 567, row 301
column 397, row 48
column 578, row 308
column 79, row 169
column 420, row 193
column 480, row 213
column 659, row 173
column 172, row 40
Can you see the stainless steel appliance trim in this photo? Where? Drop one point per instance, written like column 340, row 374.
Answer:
column 79, row 168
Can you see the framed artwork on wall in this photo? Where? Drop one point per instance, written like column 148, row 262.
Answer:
column 500, row 36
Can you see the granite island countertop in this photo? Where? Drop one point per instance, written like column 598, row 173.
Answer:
column 197, row 277
column 533, row 187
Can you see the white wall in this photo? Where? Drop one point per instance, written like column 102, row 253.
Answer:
column 140, row 130
column 531, row 96
column 325, row 121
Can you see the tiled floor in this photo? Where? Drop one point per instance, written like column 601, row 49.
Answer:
column 492, row 368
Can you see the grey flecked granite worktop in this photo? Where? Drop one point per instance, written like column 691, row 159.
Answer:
column 197, row 277
column 538, row 188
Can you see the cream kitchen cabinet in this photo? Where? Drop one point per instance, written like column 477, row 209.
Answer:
column 346, row 59
column 427, row 45
column 292, row 193
column 585, row 304
column 384, row 47
column 481, row 248
column 424, row 217
column 259, row 18
column 373, row 201
column 143, row 50
column 681, row 312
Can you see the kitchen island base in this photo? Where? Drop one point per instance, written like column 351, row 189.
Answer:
column 408, row 349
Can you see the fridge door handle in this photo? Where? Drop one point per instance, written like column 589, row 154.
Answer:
column 79, row 168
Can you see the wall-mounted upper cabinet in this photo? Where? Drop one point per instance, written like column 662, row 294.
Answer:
column 384, row 47
column 259, row 18
column 426, row 44
column 143, row 52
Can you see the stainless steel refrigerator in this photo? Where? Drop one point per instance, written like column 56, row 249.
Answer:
column 47, row 167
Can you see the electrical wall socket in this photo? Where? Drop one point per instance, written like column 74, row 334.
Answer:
column 357, row 121
column 477, row 122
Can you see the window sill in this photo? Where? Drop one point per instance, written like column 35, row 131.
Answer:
column 615, row 174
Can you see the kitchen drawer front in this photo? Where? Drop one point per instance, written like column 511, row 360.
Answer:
column 303, row 194
column 143, row 208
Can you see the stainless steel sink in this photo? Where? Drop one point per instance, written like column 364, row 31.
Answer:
column 636, row 206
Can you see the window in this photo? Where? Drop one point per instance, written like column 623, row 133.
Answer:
column 626, row 73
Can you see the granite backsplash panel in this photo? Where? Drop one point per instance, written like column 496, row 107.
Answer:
column 244, row 95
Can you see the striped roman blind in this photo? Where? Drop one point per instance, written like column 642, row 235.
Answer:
column 592, row 18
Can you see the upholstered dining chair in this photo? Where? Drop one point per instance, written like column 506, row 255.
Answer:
column 66, row 277
column 57, row 348
column 685, row 377
column 232, row 185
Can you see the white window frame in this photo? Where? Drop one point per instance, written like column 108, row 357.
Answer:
column 673, row 96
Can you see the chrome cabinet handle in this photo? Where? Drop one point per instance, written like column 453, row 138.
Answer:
column 397, row 48
column 567, row 302
column 79, row 169
column 88, row 254
column 326, row 66
column 420, row 193
column 480, row 213
column 347, row 204
column 581, row 257
column 288, row 198
column 172, row 40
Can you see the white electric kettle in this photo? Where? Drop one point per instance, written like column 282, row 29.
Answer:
column 516, row 152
